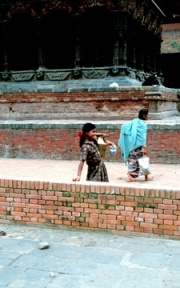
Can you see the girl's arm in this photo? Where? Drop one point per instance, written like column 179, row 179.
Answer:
column 80, row 168
column 109, row 142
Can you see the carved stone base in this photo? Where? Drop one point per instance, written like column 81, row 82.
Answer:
column 123, row 75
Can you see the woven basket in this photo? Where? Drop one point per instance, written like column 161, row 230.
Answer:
column 101, row 146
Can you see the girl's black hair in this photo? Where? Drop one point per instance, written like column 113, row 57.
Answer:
column 86, row 128
column 142, row 112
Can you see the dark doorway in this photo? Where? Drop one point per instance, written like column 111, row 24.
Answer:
column 1, row 49
column 22, row 43
column 58, row 41
column 97, row 38
column 170, row 69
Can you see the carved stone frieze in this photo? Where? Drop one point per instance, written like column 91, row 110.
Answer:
column 76, row 73
column 95, row 73
column 122, row 72
column 115, row 71
column 140, row 76
column 131, row 73
column 57, row 76
column 56, row 5
column 22, row 76
column 39, row 75
column 109, row 4
column 5, row 76
column 21, row 7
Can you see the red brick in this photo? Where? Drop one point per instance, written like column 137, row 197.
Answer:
column 171, row 207
column 168, row 227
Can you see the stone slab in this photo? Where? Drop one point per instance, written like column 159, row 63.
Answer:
column 81, row 258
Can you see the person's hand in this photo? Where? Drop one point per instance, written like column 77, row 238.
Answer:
column 76, row 179
column 111, row 143
column 144, row 150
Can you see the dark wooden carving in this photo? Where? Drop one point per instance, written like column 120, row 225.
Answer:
column 147, row 18
column 85, row 4
column 134, row 31
column 78, row 36
column 40, row 45
column 123, row 40
column 56, row 5
column 21, row 7
column 131, row 5
column 116, row 22
column 5, row 30
column 139, row 12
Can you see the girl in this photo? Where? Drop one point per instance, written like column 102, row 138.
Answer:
column 90, row 153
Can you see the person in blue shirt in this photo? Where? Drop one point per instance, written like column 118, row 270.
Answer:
column 132, row 142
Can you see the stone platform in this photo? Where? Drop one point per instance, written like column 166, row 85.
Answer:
column 166, row 177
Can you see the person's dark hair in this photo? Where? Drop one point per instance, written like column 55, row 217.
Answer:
column 86, row 128
column 142, row 112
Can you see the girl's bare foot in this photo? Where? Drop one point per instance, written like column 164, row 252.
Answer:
column 148, row 178
column 130, row 179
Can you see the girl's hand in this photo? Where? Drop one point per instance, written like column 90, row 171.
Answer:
column 76, row 179
column 109, row 142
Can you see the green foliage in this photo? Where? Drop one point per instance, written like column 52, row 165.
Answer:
column 8, row 212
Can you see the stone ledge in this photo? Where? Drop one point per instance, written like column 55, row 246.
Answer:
column 170, row 125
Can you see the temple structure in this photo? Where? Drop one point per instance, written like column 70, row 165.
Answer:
column 98, row 59
column 55, row 40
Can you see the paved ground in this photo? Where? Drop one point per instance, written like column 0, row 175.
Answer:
column 83, row 259
column 165, row 176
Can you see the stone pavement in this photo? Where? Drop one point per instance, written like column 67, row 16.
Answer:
column 165, row 176
column 83, row 259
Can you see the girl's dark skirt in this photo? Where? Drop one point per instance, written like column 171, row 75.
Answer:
column 97, row 172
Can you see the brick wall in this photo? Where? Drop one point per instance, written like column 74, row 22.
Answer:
column 68, row 105
column 62, row 143
column 171, row 38
column 121, row 103
column 129, row 211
